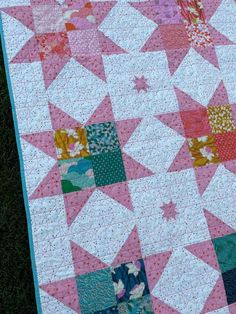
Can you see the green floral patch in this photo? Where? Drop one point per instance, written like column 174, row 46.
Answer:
column 102, row 138
column 108, row 168
column 136, row 306
column 76, row 174
column 96, row 291
column 225, row 248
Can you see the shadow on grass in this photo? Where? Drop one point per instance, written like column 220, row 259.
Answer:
column 16, row 280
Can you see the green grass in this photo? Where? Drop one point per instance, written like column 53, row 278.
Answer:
column 16, row 280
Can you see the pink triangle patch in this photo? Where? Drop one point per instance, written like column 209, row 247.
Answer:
column 64, row 291
column 21, row 13
column 204, row 175
column 182, row 159
column 217, row 298
column 74, row 202
column 84, row 262
column 173, row 121
column 147, row 9
column 52, row 66
column 161, row 307
column 230, row 165
column 210, row 7
column 50, row 186
column 220, row 96
column 61, row 120
column 125, row 129
column 186, row 102
column 134, row 170
column 154, row 266
column 218, row 38
column 93, row 63
column 119, row 192
column 175, row 57
column 43, row 141
column 216, row 226
column 103, row 113
column 28, row 53
column 209, row 54
column 101, row 9
column 206, row 252
column 154, row 43
column 108, row 47
column 130, row 251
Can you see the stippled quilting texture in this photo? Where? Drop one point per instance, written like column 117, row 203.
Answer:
column 125, row 117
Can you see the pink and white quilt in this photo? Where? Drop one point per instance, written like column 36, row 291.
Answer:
column 125, row 117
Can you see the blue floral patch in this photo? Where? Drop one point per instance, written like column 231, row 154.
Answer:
column 102, row 138
column 130, row 281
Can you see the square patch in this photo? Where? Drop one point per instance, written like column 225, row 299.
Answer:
column 96, row 291
column 221, row 119
column 167, row 12
column 140, row 305
column 53, row 44
column 102, row 138
column 199, row 35
column 71, row 143
column 195, row 123
column 191, row 11
column 203, row 151
column 225, row 248
column 170, row 32
column 130, row 281
column 76, row 174
column 226, row 145
column 229, row 279
column 108, row 168
column 84, row 42
column 80, row 16
column 48, row 19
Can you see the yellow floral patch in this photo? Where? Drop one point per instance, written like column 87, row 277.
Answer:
column 220, row 118
column 71, row 143
column 203, row 151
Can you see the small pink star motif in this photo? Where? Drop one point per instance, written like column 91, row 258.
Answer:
column 141, row 84
column 169, row 210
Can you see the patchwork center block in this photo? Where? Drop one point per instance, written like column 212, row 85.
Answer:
column 89, row 156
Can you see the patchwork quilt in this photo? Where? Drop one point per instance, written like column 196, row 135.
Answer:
column 125, row 120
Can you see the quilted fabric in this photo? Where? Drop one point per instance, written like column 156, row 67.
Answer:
column 125, row 119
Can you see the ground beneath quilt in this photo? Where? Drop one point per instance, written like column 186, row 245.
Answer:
column 125, row 119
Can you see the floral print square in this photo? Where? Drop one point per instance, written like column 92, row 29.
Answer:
column 221, row 119
column 71, row 143
column 96, row 291
column 135, row 306
column 76, row 174
column 191, row 11
column 108, row 168
column 203, row 151
column 102, row 138
column 78, row 15
column 199, row 35
column 130, row 281
column 53, row 44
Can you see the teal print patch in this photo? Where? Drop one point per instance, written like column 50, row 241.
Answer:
column 76, row 174
column 108, row 168
column 96, row 291
column 102, row 138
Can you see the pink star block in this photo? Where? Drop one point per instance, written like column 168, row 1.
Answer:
column 169, row 210
column 141, row 84
column 192, row 121
column 74, row 201
column 62, row 32
column 169, row 19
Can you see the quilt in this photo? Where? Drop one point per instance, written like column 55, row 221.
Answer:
column 125, row 121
